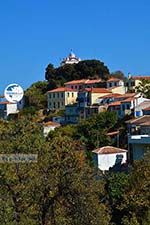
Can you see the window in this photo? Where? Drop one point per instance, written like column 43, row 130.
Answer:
column 128, row 106
column 72, row 87
column 132, row 83
column 57, row 95
column 75, row 87
column 72, row 94
column 53, row 95
column 62, row 104
column 58, row 104
column 115, row 84
column 123, row 107
column 49, row 95
column 62, row 94
column 80, row 87
column 110, row 84
column 54, row 105
column 68, row 94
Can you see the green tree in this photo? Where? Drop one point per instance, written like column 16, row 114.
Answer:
column 60, row 188
column 35, row 96
column 144, row 88
column 83, row 70
column 118, row 74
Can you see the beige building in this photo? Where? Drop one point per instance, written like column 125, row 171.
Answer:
column 82, row 84
column 134, row 81
column 95, row 93
column 60, row 97
column 118, row 90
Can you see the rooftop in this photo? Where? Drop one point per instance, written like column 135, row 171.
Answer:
column 140, row 77
column 83, row 81
column 62, row 89
column 146, row 109
column 109, row 150
column 113, row 79
column 51, row 123
column 115, row 104
column 97, row 90
column 113, row 95
column 128, row 99
column 6, row 103
column 144, row 120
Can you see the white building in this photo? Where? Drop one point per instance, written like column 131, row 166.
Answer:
column 70, row 59
column 49, row 126
column 7, row 108
column 109, row 156
column 138, row 137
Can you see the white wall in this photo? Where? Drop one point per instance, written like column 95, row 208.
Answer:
column 105, row 161
column 47, row 129
column 12, row 108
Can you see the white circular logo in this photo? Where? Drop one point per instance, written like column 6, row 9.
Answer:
column 13, row 93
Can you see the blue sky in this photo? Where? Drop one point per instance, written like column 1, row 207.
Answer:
column 34, row 33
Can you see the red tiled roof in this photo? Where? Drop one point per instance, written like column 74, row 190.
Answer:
column 141, row 77
column 109, row 150
column 62, row 89
column 146, row 109
column 97, row 90
column 76, row 82
column 128, row 99
column 6, row 103
column 93, row 81
column 139, row 121
column 114, row 103
column 113, row 79
column 84, row 81
column 128, row 95
column 113, row 133
column 51, row 123
column 113, row 95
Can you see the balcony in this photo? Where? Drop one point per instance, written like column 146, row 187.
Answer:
column 139, row 139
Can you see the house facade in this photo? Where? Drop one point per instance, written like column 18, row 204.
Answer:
column 134, row 81
column 138, row 137
column 109, row 156
column 82, row 84
column 60, row 97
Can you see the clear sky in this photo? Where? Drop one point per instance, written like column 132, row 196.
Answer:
column 34, row 33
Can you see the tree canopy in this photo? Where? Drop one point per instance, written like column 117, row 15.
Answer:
column 144, row 88
column 59, row 188
column 83, row 70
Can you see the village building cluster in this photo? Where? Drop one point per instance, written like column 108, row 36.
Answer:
column 80, row 99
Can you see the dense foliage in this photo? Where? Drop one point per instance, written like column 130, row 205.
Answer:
column 83, row 70
column 59, row 189
column 62, row 187
column 144, row 88
column 92, row 132
column 35, row 96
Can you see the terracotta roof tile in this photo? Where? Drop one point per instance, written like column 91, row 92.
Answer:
column 84, row 81
column 141, row 77
column 6, row 103
column 139, row 121
column 113, row 95
column 115, row 104
column 62, row 89
column 97, row 90
column 146, row 109
column 113, row 79
column 128, row 99
column 51, row 123
column 109, row 150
